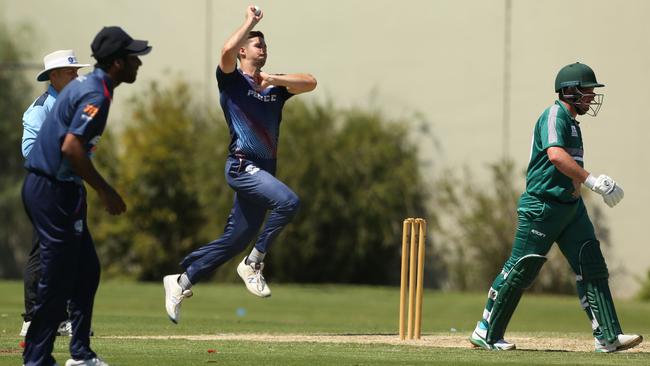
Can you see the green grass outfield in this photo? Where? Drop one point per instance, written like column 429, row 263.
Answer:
column 353, row 325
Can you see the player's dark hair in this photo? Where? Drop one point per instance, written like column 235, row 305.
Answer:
column 253, row 34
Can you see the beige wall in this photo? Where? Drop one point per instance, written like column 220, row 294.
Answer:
column 443, row 59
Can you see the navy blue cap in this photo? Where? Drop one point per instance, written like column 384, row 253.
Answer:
column 113, row 42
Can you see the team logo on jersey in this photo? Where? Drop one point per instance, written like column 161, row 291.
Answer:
column 263, row 98
column 574, row 131
column 78, row 226
column 89, row 112
column 538, row 233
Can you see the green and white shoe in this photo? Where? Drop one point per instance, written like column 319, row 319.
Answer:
column 624, row 341
column 478, row 339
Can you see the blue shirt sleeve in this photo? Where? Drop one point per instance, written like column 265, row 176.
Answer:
column 32, row 122
column 284, row 93
column 90, row 117
column 224, row 80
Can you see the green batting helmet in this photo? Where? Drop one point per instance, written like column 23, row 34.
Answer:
column 577, row 74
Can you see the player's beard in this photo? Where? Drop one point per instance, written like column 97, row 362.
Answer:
column 582, row 109
column 129, row 76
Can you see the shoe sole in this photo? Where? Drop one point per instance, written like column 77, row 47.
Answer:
column 623, row 347
column 480, row 343
column 166, row 291
column 631, row 345
column 514, row 347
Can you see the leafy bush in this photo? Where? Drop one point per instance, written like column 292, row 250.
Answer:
column 644, row 293
column 15, row 230
column 357, row 175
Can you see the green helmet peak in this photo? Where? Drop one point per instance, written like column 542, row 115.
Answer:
column 576, row 75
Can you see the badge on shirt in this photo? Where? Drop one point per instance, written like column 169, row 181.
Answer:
column 89, row 112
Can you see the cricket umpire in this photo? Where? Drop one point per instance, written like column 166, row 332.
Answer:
column 60, row 68
column 55, row 198
column 551, row 210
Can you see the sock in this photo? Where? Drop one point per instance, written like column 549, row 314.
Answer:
column 255, row 257
column 184, row 281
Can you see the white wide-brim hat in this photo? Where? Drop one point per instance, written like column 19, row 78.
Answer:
column 57, row 60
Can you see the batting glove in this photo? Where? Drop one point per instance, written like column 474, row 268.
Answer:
column 605, row 186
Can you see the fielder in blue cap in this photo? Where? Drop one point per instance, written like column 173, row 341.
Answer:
column 55, row 198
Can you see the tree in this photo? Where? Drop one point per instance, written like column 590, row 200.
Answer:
column 357, row 175
column 478, row 226
column 644, row 293
column 164, row 169
column 15, row 230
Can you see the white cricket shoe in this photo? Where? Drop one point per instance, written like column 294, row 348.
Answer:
column 91, row 362
column 65, row 329
column 478, row 339
column 253, row 278
column 174, row 296
column 623, row 342
column 25, row 328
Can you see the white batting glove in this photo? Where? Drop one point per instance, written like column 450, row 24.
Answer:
column 605, row 186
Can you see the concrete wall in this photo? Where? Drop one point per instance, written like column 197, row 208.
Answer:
column 443, row 59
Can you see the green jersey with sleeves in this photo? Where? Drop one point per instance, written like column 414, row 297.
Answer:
column 555, row 127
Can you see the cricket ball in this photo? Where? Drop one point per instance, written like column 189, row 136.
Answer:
column 258, row 11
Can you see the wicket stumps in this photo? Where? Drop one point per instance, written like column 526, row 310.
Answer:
column 413, row 231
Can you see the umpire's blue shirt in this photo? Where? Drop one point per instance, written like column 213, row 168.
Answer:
column 80, row 109
column 34, row 116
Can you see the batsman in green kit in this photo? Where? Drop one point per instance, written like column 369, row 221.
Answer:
column 552, row 211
